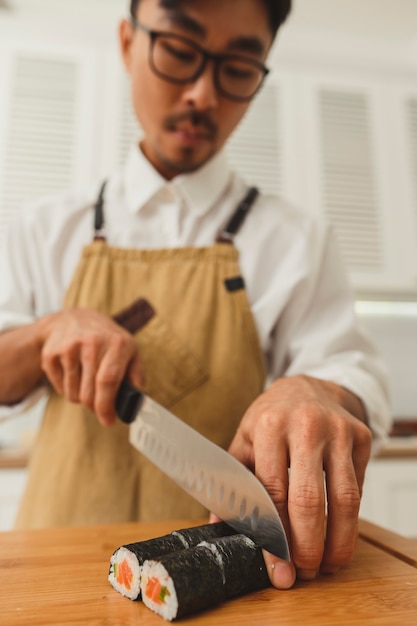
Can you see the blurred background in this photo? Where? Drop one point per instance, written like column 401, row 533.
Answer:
column 334, row 130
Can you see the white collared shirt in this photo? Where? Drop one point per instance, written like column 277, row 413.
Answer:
column 296, row 284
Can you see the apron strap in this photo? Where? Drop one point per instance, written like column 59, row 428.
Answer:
column 99, row 224
column 227, row 235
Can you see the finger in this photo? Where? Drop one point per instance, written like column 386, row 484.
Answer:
column 71, row 369
column 343, row 497
column 280, row 572
column 345, row 471
column 241, row 448
column 306, row 510
column 271, row 467
column 361, row 451
column 51, row 366
column 109, row 376
column 90, row 359
column 135, row 372
column 269, row 460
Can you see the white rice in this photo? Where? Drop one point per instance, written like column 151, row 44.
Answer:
column 118, row 557
column 169, row 608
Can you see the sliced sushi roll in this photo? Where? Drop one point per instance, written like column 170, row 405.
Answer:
column 242, row 564
column 126, row 562
column 176, row 585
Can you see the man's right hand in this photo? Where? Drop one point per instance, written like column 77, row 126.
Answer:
column 85, row 355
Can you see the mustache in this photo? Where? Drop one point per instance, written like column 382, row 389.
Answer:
column 196, row 118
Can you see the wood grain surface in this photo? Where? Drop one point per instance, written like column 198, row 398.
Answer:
column 59, row 577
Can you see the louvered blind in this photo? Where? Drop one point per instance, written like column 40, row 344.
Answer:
column 40, row 145
column 129, row 129
column 254, row 150
column 348, row 177
column 412, row 125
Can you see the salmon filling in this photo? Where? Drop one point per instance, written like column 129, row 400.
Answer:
column 155, row 591
column 123, row 574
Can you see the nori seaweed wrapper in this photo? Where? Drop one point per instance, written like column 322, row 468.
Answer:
column 177, row 540
column 197, row 578
column 244, row 568
column 193, row 536
column 214, row 571
column 151, row 548
column 173, row 542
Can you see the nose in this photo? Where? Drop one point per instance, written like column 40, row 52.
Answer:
column 202, row 92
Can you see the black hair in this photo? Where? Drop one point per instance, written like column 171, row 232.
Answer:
column 278, row 10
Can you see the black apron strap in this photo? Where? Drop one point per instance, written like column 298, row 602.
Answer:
column 99, row 224
column 231, row 229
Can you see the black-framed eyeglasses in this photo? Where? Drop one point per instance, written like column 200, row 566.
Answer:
column 180, row 60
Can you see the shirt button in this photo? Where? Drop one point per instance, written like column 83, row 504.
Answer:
column 167, row 195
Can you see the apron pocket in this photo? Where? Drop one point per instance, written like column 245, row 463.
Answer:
column 172, row 371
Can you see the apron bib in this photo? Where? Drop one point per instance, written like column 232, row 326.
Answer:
column 188, row 311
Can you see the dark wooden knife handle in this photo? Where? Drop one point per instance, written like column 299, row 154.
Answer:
column 128, row 402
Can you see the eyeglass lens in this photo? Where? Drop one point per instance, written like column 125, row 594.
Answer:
column 178, row 60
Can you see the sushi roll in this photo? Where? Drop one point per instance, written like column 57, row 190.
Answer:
column 178, row 584
column 126, row 562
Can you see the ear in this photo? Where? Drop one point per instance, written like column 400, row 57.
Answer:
column 125, row 42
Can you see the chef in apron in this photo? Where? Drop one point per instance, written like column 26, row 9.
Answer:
column 194, row 68
column 190, row 316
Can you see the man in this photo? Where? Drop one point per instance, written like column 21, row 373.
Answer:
column 192, row 306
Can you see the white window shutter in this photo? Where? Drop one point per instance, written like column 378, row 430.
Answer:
column 412, row 128
column 129, row 128
column 348, row 176
column 40, row 144
column 254, row 150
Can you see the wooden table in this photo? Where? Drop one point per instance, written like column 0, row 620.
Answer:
column 59, row 577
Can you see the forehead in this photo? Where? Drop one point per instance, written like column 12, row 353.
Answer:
column 217, row 23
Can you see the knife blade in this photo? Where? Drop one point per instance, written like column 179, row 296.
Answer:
column 203, row 469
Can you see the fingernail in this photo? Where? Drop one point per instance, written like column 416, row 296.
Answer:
column 282, row 575
column 306, row 574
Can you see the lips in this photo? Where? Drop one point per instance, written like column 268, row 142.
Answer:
column 192, row 127
column 191, row 135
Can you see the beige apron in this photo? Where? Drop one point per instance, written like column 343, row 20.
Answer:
column 202, row 359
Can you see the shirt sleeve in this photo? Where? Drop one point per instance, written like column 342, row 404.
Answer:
column 16, row 295
column 319, row 334
column 16, row 300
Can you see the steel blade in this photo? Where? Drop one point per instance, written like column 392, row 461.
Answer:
column 209, row 474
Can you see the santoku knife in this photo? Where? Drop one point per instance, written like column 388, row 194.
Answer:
column 204, row 470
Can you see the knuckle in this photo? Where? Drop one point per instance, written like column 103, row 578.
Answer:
column 91, row 346
column 310, row 421
column 69, row 351
column 347, row 499
column 108, row 378
column 277, row 490
column 307, row 556
column 267, row 420
column 46, row 360
column 306, row 499
column 364, row 436
column 120, row 342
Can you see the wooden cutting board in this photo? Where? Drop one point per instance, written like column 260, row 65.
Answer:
column 59, row 577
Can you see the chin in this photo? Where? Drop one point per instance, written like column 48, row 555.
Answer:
column 187, row 162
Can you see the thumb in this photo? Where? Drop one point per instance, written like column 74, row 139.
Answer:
column 281, row 573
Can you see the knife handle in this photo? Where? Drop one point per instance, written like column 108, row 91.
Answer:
column 128, row 402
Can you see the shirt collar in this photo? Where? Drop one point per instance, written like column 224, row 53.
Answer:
column 198, row 190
